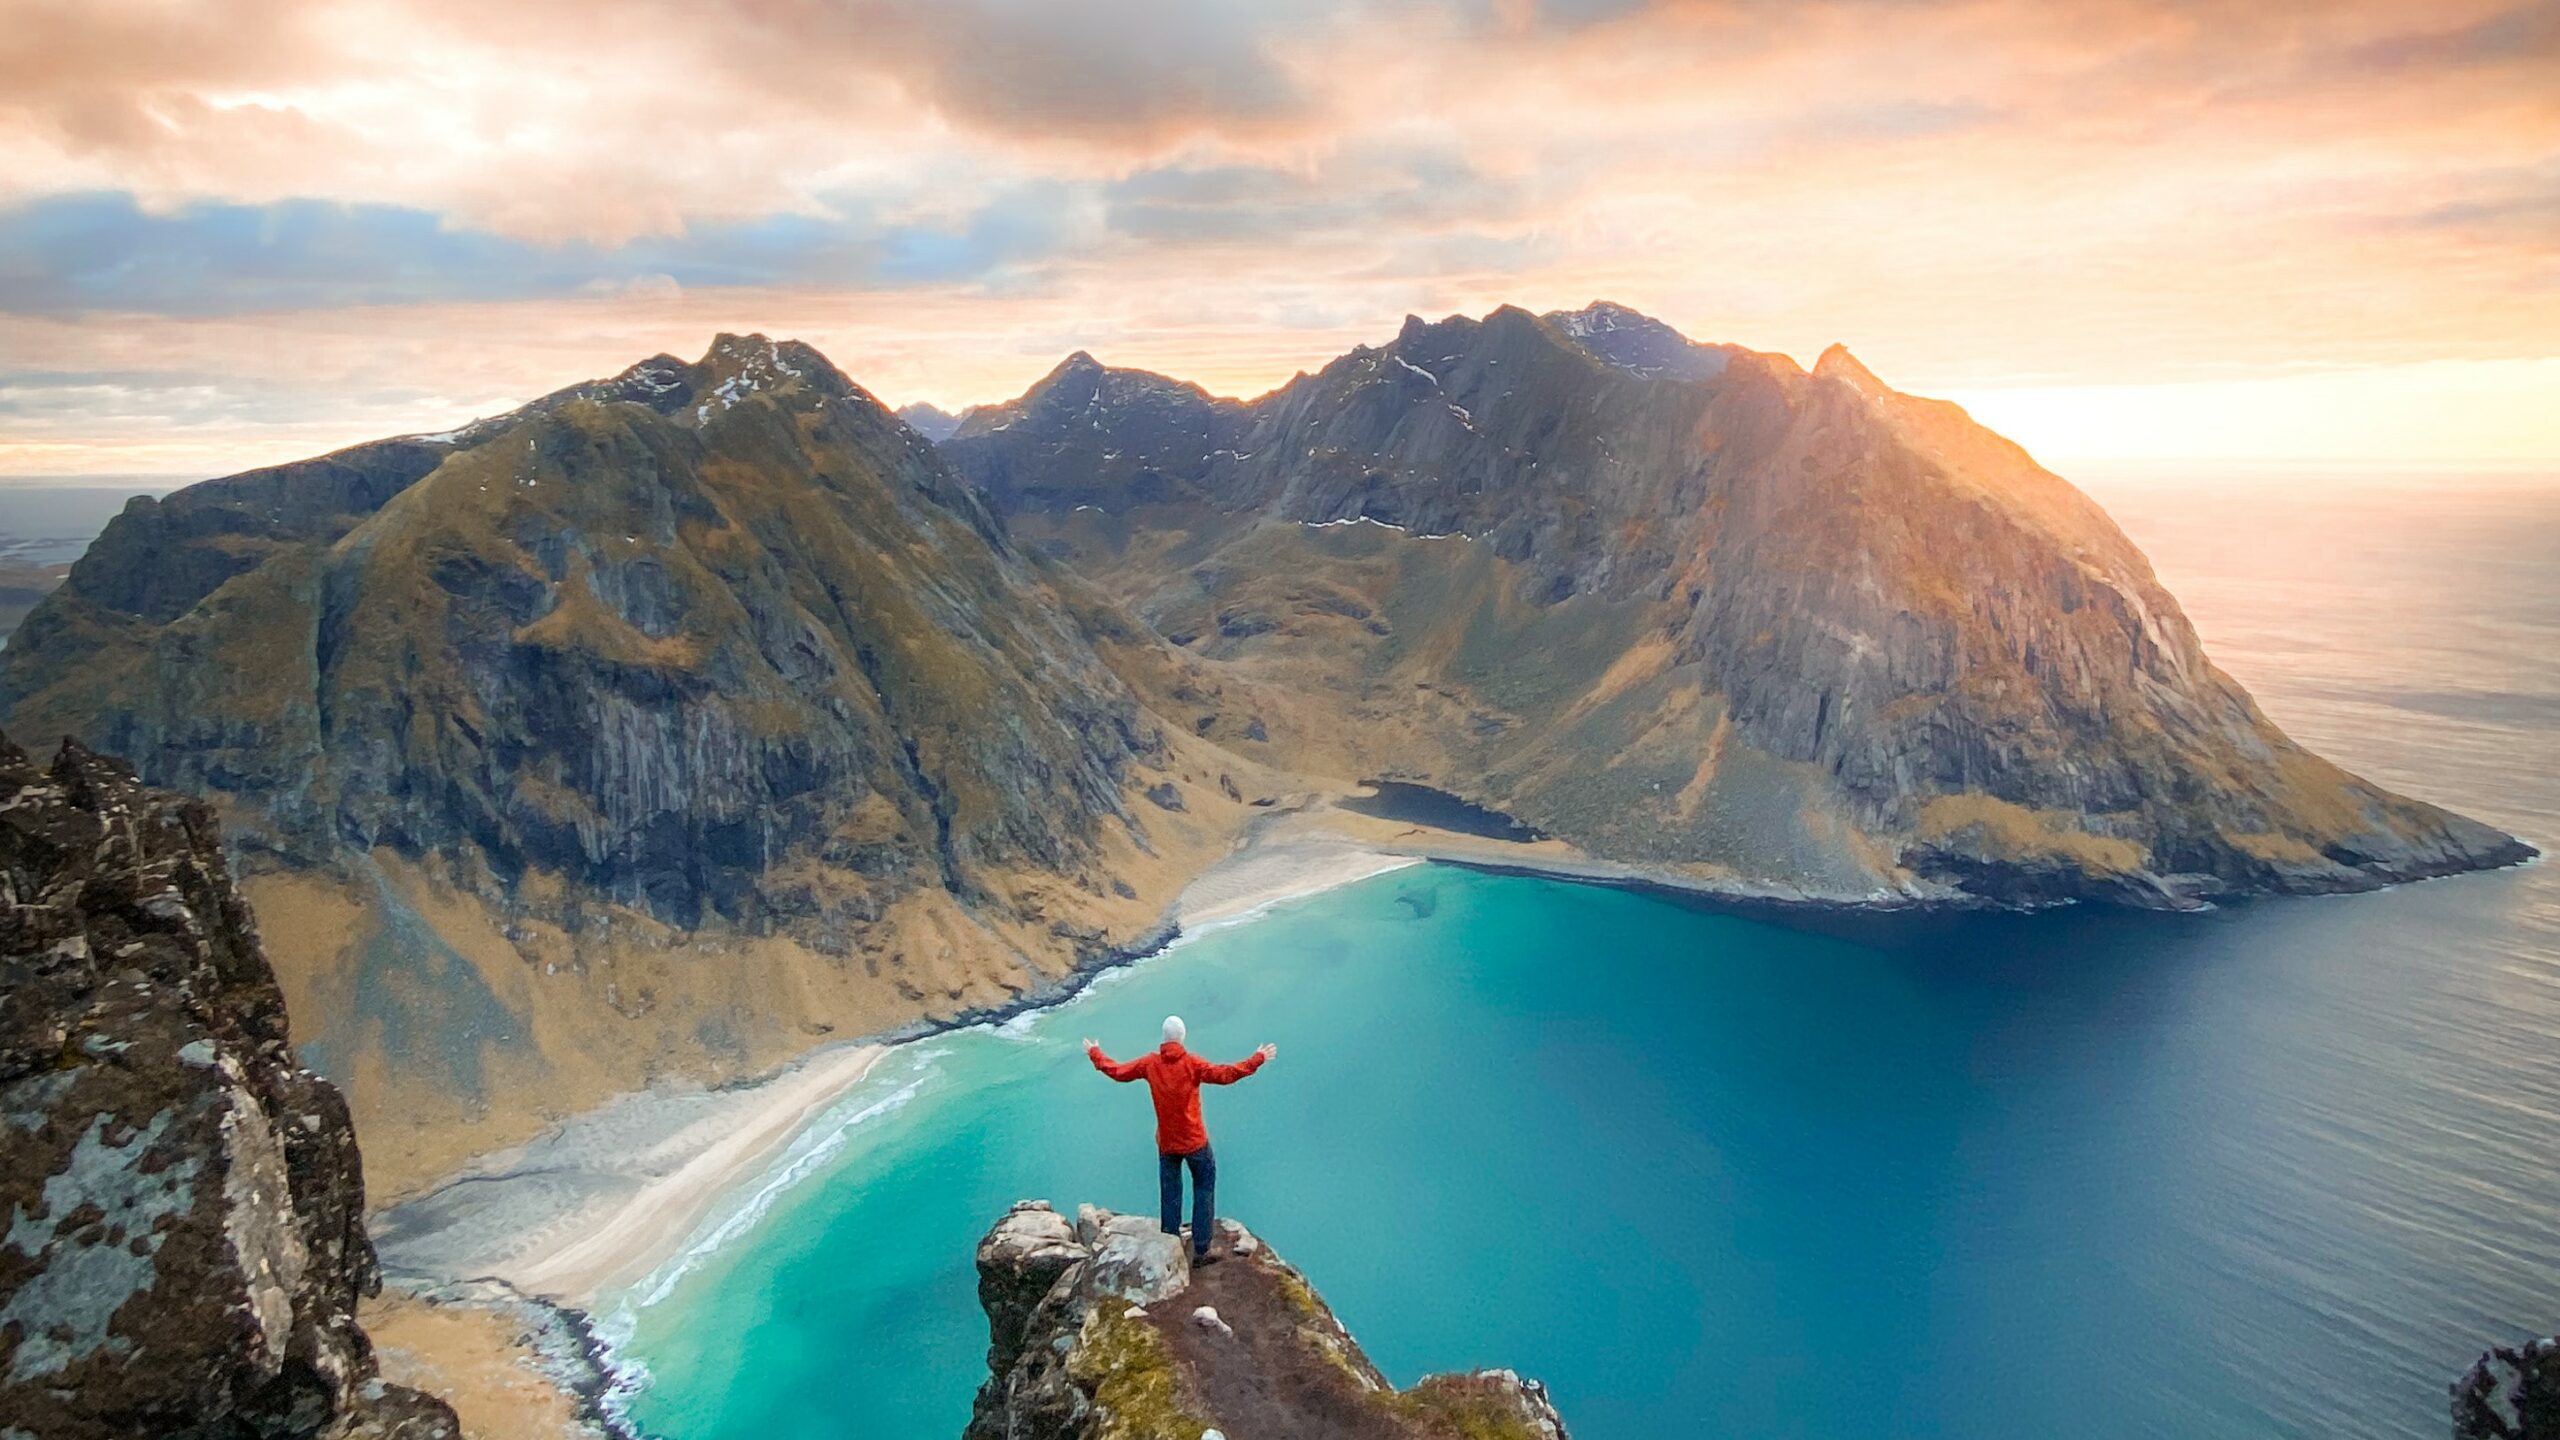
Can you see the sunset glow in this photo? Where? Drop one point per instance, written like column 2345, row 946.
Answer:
column 240, row 232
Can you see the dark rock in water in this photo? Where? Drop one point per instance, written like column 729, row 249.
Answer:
column 2511, row 1393
column 186, row 1241
column 1102, row 1328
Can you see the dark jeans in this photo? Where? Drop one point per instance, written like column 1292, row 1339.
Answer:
column 1204, row 1195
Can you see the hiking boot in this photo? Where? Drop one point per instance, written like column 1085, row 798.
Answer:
column 1206, row 1257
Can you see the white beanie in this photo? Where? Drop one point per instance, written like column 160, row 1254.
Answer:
column 1173, row 1029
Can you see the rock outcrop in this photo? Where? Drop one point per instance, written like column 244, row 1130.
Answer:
column 2510, row 1393
column 185, row 1240
column 1697, row 608
column 1100, row 1329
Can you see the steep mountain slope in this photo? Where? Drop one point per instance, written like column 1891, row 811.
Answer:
column 689, row 715
column 1696, row 607
column 186, row 1241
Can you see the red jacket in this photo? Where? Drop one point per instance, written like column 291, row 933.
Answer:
column 1174, row 1076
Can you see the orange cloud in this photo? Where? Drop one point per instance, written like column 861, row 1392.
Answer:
column 1992, row 196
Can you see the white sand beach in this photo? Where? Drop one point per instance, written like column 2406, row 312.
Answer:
column 1259, row 876
column 601, row 1200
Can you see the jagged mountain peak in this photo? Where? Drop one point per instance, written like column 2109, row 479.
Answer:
column 738, row 365
column 1600, row 316
column 732, row 367
column 930, row 420
column 1077, row 392
column 1636, row 342
column 1836, row 363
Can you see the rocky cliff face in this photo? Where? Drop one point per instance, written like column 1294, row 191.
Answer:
column 185, row 1240
column 1698, row 607
column 2511, row 1393
column 1101, row 1328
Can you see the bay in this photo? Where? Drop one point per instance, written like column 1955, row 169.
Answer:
column 2278, row 1169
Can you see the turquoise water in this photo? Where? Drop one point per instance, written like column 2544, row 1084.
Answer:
column 2276, row 1170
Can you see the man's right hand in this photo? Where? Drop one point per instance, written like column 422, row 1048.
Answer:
column 1091, row 1044
column 1267, row 1051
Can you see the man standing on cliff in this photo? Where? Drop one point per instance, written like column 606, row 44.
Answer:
column 1174, row 1077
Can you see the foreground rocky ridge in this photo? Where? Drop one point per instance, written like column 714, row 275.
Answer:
column 1101, row 1329
column 186, row 1243
column 1696, row 607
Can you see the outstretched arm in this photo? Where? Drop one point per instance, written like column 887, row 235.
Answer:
column 1116, row 1069
column 1230, row 1074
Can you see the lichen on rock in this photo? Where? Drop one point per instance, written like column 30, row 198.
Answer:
column 181, row 1236
column 1103, row 1330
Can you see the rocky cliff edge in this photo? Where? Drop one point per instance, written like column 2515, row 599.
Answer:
column 1100, row 1329
column 183, row 1243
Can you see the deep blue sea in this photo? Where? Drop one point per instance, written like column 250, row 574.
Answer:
column 2276, row 1170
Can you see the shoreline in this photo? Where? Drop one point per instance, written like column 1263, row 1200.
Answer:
column 571, row 1222
column 600, row 1198
column 604, row 1199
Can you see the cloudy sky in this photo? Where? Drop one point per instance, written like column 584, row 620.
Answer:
column 240, row 231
